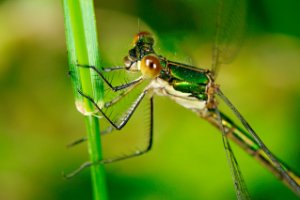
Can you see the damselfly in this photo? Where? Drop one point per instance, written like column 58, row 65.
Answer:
column 194, row 89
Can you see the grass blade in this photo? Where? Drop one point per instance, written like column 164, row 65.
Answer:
column 82, row 45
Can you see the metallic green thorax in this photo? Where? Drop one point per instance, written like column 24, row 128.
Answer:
column 189, row 83
column 194, row 89
column 185, row 78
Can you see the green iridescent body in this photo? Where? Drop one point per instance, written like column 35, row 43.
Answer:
column 185, row 78
column 195, row 81
column 194, row 88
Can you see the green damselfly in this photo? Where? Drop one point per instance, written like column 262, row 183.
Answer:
column 193, row 88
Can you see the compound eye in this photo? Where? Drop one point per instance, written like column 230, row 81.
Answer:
column 150, row 66
column 143, row 38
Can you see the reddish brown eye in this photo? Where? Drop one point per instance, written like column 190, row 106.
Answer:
column 138, row 36
column 150, row 66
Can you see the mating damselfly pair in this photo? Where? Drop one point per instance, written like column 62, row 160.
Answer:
column 194, row 89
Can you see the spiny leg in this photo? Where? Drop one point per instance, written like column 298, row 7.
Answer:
column 126, row 118
column 114, row 88
column 120, row 97
column 105, row 69
column 292, row 183
column 140, row 152
column 83, row 139
column 118, row 127
column 106, row 105
column 239, row 183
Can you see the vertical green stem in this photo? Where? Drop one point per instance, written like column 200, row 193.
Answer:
column 82, row 44
column 97, row 171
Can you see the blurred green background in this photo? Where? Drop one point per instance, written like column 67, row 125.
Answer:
column 38, row 117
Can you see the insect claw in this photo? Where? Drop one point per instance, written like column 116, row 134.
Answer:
column 76, row 171
column 76, row 142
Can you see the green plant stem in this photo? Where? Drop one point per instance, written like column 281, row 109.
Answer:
column 82, row 47
column 97, row 171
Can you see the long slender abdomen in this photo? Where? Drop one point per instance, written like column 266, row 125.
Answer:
column 245, row 141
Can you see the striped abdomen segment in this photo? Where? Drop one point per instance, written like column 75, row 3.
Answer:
column 245, row 141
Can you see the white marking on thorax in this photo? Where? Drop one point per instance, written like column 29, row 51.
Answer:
column 162, row 88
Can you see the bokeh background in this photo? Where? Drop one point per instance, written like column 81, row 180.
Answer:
column 38, row 117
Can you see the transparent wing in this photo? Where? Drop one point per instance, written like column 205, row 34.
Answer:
column 238, row 180
column 117, row 113
column 287, row 178
column 230, row 30
column 135, row 135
